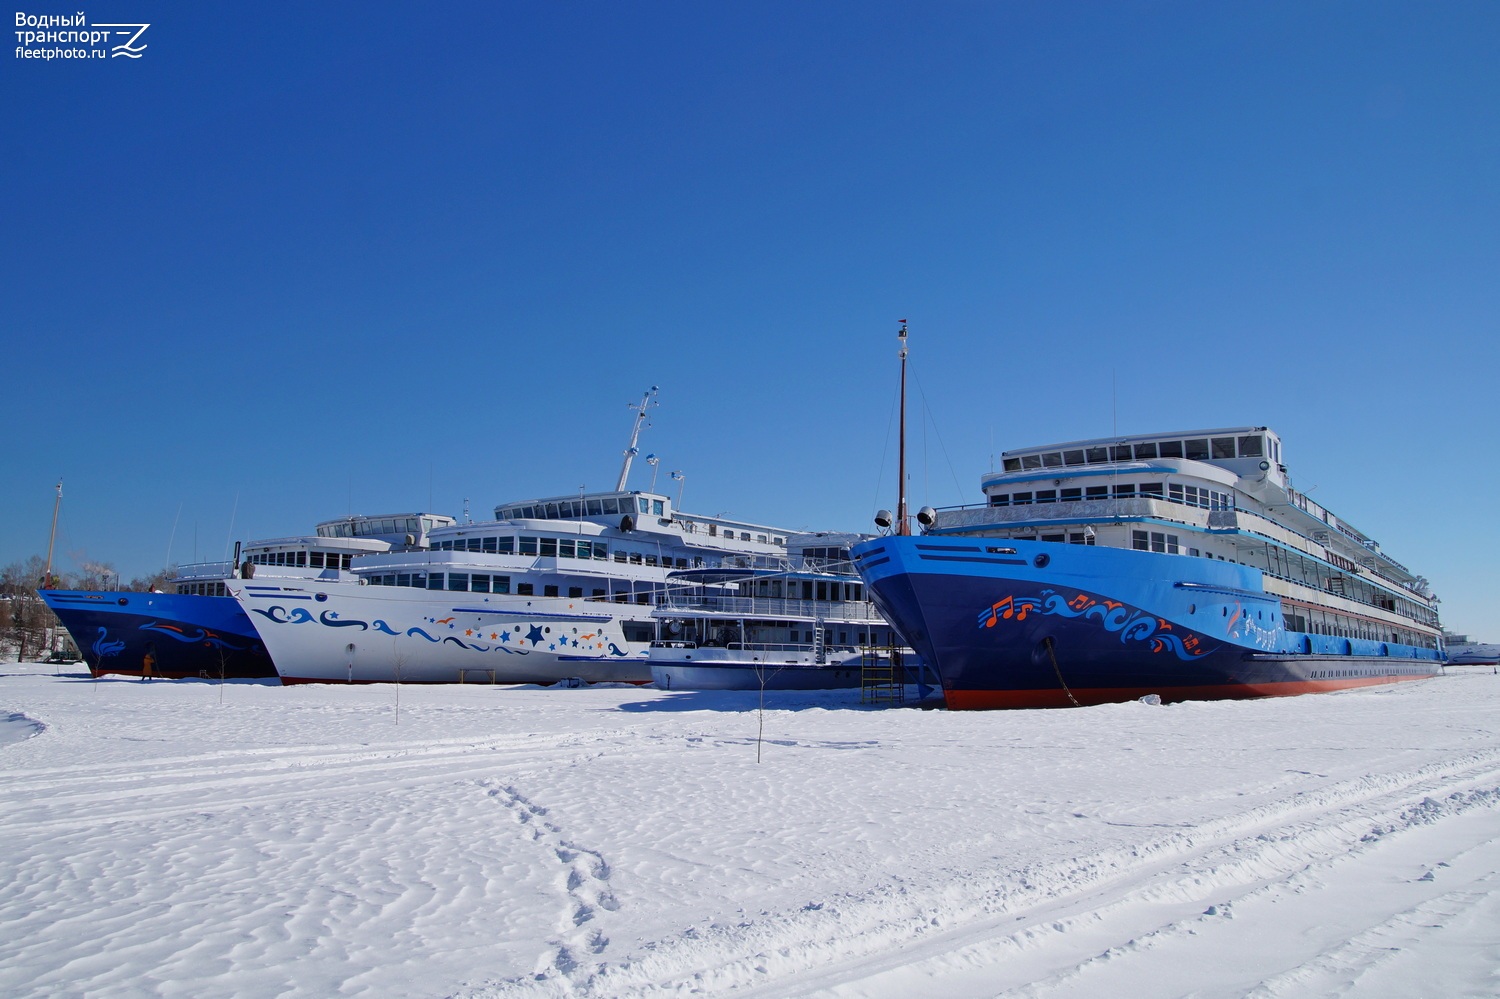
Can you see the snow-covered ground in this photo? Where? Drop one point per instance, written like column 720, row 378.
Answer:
column 197, row 839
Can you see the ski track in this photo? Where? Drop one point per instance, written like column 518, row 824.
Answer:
column 1050, row 930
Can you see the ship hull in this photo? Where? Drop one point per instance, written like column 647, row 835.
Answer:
column 763, row 676
column 182, row 636
column 351, row 633
column 1019, row 624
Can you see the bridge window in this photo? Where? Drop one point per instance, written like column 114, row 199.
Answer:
column 1251, row 447
column 1223, row 447
column 1196, row 449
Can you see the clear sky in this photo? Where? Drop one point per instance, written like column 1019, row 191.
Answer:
column 301, row 261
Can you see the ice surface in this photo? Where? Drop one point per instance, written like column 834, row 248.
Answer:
column 201, row 839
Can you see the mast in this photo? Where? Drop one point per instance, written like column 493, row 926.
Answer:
column 647, row 401
column 47, row 576
column 903, row 525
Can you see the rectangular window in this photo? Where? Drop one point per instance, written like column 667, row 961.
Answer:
column 1071, row 495
column 1012, row 464
column 403, row 579
column 549, row 547
column 1000, row 499
column 479, row 584
column 565, row 547
column 1125, row 490
column 1120, row 453
column 499, row 584
column 435, row 581
column 1174, row 492
column 489, row 545
column 1140, row 541
column 1158, row 541
column 523, row 589
column 1251, row 447
column 458, row 580
column 1052, row 459
column 1223, row 447
column 658, row 507
column 1171, row 449
column 1097, row 492
column 1020, row 499
column 1097, row 455
column 1147, row 450
column 575, row 591
column 1046, row 496
column 317, row 560
column 1029, row 461
column 1074, row 457
column 1055, row 538
column 550, row 590
column 528, row 546
column 594, row 508
column 1197, row 449
column 1172, row 545
column 506, row 545
column 601, row 550
column 643, row 504
column 1151, row 490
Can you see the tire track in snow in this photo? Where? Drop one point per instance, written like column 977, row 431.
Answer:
column 956, row 922
column 220, row 782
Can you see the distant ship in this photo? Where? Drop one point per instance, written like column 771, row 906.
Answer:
column 803, row 625
column 199, row 630
column 1179, row 564
column 1462, row 652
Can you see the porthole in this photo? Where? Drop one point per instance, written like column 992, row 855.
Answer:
column 321, row 597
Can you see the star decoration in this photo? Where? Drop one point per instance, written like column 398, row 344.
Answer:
column 534, row 636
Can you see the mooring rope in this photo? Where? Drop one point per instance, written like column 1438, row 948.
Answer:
column 1053, row 656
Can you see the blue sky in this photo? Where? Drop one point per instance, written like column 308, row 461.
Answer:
column 302, row 261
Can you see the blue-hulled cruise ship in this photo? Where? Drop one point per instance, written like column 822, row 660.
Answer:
column 1180, row 564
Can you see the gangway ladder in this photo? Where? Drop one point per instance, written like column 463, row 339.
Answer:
column 820, row 644
column 882, row 676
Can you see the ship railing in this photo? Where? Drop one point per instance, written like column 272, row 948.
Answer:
column 803, row 648
column 204, row 570
column 779, row 607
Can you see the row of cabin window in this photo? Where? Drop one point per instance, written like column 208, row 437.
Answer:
column 809, row 589
column 564, row 509
column 467, row 582
column 1175, row 492
column 555, row 548
column 1197, row 448
column 313, row 560
column 1325, row 623
column 384, row 525
column 1071, row 538
column 203, row 589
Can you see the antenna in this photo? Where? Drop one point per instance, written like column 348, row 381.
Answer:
column 903, row 525
column 648, row 401
column 52, row 539
column 681, row 481
column 653, row 461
